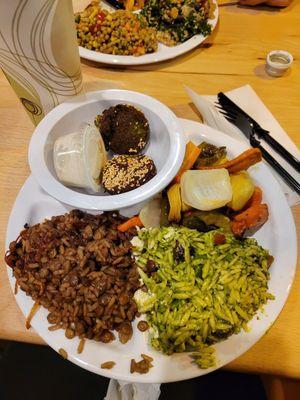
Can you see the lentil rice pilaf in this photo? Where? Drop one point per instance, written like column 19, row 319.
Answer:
column 79, row 267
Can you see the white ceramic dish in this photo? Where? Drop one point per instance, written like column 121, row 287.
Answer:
column 162, row 54
column 166, row 147
column 33, row 205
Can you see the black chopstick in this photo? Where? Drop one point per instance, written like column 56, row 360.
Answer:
column 290, row 181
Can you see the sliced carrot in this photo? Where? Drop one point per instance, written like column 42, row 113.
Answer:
column 130, row 223
column 241, row 162
column 191, row 154
column 254, row 217
column 254, row 214
column 256, row 198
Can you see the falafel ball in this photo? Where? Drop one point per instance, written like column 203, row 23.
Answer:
column 124, row 173
column 125, row 130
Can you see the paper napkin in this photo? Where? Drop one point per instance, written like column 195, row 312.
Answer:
column 121, row 390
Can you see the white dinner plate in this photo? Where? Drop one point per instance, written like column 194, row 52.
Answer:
column 163, row 53
column 278, row 235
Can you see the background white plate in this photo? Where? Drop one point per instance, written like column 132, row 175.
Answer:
column 163, row 53
column 278, row 235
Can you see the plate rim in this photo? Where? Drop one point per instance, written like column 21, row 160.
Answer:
column 139, row 378
column 151, row 58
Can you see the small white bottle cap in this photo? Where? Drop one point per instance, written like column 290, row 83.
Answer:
column 278, row 62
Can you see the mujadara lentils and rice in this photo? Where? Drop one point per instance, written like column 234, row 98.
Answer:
column 79, row 267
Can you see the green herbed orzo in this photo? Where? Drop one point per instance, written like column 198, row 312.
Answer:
column 200, row 289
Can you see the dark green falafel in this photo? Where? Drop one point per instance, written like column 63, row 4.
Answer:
column 125, row 129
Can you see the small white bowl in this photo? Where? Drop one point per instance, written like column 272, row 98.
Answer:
column 166, row 147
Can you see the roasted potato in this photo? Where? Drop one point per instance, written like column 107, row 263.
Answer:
column 242, row 190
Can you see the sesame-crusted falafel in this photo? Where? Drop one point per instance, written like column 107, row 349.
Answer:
column 125, row 129
column 124, row 173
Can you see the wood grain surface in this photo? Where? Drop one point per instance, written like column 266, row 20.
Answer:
column 233, row 56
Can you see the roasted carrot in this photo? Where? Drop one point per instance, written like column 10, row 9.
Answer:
column 254, row 217
column 253, row 214
column 191, row 154
column 256, row 198
column 241, row 162
column 131, row 222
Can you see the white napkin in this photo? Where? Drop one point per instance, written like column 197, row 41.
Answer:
column 246, row 98
column 121, row 390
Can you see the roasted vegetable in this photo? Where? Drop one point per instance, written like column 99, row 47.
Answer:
column 256, row 197
column 210, row 155
column 194, row 222
column 206, row 190
column 130, row 223
column 205, row 221
column 252, row 218
column 242, row 190
column 191, row 154
column 185, row 207
column 150, row 213
column 175, row 202
column 240, row 163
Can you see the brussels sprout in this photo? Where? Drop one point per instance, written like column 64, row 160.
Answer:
column 205, row 221
column 210, row 155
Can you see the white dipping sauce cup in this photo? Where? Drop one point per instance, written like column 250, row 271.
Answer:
column 278, row 62
column 78, row 160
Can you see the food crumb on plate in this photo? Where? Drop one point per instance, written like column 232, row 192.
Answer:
column 146, row 357
column 143, row 326
column 63, row 353
column 108, row 365
column 141, row 367
column 81, row 346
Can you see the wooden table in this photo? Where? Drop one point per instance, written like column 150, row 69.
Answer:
column 233, row 56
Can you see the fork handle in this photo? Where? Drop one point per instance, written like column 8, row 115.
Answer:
column 278, row 168
column 278, row 148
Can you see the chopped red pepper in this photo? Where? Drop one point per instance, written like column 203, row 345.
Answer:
column 101, row 16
